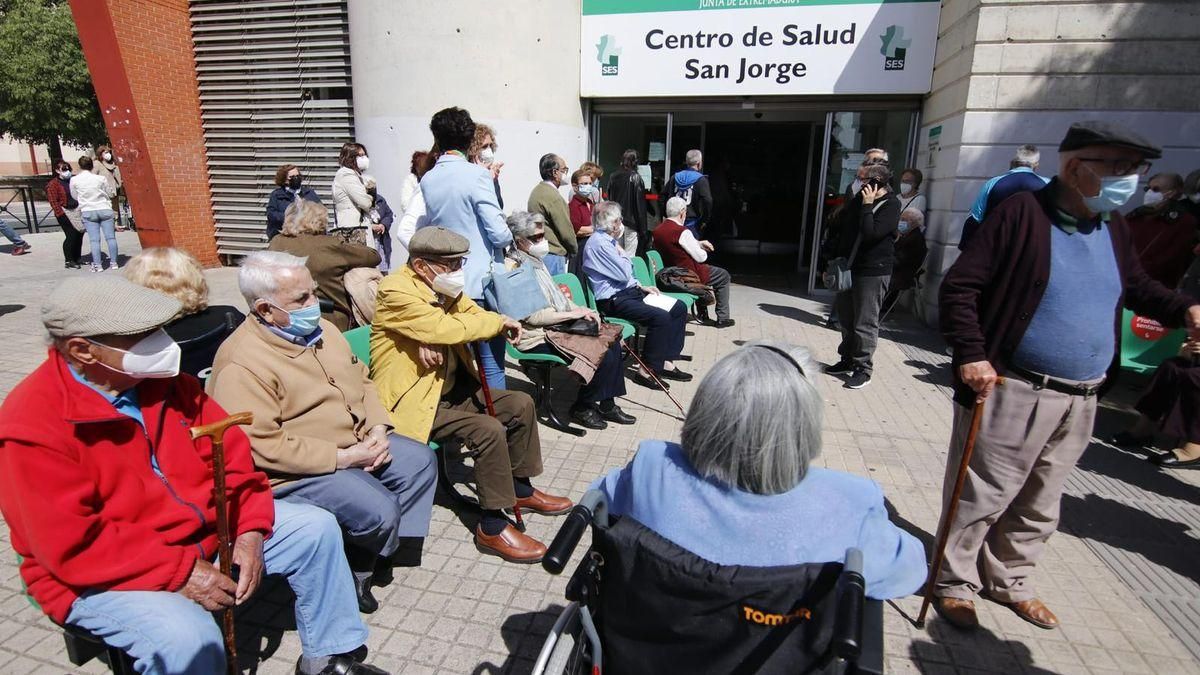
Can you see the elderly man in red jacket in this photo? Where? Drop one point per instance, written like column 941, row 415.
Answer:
column 110, row 503
column 1036, row 297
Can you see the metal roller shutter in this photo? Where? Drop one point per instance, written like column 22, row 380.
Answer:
column 274, row 88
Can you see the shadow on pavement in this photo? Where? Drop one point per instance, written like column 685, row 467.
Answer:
column 979, row 650
column 523, row 636
column 9, row 309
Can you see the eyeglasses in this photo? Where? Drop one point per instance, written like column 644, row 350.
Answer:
column 452, row 265
column 535, row 238
column 1122, row 167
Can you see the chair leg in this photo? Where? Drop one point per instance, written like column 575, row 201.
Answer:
column 545, row 401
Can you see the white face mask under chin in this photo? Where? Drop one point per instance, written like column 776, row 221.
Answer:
column 155, row 356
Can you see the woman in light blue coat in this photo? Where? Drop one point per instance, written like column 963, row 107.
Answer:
column 739, row 488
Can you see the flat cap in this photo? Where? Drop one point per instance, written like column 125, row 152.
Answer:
column 105, row 304
column 437, row 242
column 1092, row 133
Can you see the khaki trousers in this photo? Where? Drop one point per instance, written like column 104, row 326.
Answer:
column 504, row 447
column 1029, row 441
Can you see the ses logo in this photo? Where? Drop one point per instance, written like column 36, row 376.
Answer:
column 608, row 54
column 895, row 46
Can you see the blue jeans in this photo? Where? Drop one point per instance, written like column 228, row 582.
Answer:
column 11, row 234
column 555, row 264
column 492, row 354
column 97, row 223
column 376, row 509
column 167, row 633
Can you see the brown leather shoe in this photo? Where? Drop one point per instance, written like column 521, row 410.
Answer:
column 960, row 613
column 512, row 545
column 547, row 505
column 1035, row 612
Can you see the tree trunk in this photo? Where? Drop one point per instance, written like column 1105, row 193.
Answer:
column 55, row 148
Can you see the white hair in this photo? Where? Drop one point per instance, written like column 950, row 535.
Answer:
column 879, row 151
column 258, row 276
column 755, row 421
column 692, row 158
column 523, row 224
column 914, row 217
column 605, row 216
column 1026, row 155
column 675, row 206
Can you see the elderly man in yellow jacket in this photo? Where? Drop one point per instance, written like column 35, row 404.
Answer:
column 425, row 374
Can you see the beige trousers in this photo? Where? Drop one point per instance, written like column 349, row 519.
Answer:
column 1029, row 441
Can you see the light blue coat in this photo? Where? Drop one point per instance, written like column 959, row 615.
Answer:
column 816, row 521
column 461, row 197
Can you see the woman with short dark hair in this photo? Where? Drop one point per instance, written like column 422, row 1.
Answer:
column 58, row 193
column 910, row 190
column 626, row 187
column 351, row 201
column 289, row 182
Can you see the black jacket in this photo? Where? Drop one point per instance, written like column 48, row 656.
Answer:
column 877, row 227
column 627, row 189
column 277, row 204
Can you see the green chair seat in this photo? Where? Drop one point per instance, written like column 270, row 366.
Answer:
column 360, row 343
column 526, row 357
column 1140, row 354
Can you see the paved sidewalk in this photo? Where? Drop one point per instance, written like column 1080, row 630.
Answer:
column 462, row 612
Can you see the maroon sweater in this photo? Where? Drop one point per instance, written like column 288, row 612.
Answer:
column 992, row 291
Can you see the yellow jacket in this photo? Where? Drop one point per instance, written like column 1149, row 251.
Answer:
column 408, row 314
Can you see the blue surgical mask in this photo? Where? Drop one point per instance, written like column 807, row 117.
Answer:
column 586, row 190
column 303, row 321
column 1115, row 191
column 902, row 227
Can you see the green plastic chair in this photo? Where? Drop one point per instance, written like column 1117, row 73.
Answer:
column 570, row 286
column 656, row 262
column 641, row 272
column 360, row 343
column 1142, row 355
column 540, row 370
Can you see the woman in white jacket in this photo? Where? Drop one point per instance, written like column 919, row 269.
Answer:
column 412, row 207
column 95, row 206
column 351, row 203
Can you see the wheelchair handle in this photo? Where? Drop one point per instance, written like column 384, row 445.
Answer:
column 593, row 508
column 848, row 625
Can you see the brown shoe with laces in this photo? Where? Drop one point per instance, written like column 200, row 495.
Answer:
column 511, row 544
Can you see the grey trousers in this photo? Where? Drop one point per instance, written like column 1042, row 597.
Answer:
column 1028, row 443
column 719, row 279
column 375, row 509
column 858, row 316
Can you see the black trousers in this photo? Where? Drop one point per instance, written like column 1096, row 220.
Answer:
column 609, row 380
column 73, row 243
column 664, row 330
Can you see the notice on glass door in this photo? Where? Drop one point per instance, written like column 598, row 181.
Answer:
column 658, row 152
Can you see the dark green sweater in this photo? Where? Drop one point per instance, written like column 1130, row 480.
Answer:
column 548, row 202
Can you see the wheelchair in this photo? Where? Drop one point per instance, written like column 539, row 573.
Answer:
column 641, row 604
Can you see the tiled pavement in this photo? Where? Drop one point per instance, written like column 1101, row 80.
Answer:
column 1128, row 540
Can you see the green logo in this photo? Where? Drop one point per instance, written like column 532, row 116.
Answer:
column 894, row 48
column 608, row 54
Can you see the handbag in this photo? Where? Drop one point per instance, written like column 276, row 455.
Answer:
column 514, row 293
column 837, row 275
column 577, row 327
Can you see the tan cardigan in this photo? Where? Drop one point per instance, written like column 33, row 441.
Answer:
column 307, row 402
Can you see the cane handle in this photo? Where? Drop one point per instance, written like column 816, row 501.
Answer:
column 217, row 429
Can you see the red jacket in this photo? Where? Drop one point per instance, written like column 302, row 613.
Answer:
column 57, row 195
column 666, row 241
column 581, row 212
column 83, row 505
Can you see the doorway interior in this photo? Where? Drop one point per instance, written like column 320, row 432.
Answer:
column 776, row 174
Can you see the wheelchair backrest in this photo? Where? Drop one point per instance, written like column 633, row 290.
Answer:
column 663, row 609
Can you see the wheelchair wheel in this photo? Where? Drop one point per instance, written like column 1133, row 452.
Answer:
column 563, row 651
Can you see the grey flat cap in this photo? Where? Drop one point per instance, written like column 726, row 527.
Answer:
column 436, row 241
column 105, row 304
column 1092, row 133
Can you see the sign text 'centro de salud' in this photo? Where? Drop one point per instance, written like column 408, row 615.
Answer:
column 757, row 47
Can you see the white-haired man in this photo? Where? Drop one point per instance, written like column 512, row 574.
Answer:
column 109, row 500
column 320, row 432
column 680, row 248
column 1021, row 176
column 690, row 185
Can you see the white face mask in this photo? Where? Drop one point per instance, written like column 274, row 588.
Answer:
column 450, row 284
column 1152, row 197
column 856, row 186
column 107, row 157
column 487, row 156
column 155, row 356
column 906, row 187
column 540, row 249
column 363, row 163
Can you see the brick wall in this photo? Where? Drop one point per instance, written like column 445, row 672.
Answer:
column 140, row 56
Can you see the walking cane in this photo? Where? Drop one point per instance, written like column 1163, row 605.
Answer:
column 652, row 375
column 939, row 555
column 216, row 432
column 491, row 410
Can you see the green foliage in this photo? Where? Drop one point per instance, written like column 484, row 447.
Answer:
column 45, row 88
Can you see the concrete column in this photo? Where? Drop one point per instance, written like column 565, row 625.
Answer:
column 514, row 66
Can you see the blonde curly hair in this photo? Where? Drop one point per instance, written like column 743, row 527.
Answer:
column 171, row 271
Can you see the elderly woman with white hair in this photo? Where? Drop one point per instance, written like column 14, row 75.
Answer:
column 618, row 293
column 597, row 360
column 739, row 489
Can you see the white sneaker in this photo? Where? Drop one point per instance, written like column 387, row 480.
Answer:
column 96, row 267
column 113, row 266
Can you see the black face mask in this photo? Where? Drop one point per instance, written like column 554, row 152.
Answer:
column 295, row 181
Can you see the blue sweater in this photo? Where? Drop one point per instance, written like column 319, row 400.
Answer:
column 1071, row 334
column 816, row 521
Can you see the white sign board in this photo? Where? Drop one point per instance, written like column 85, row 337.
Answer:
column 757, row 47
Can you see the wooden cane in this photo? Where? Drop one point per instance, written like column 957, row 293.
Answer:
column 952, row 509
column 216, row 432
column 653, row 376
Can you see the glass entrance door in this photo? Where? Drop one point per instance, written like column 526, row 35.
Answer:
column 851, row 134
column 614, row 133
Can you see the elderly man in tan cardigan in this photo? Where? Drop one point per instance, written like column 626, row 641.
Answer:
column 320, row 432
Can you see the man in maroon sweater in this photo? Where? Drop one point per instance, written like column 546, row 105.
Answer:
column 1036, row 297
column 680, row 248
